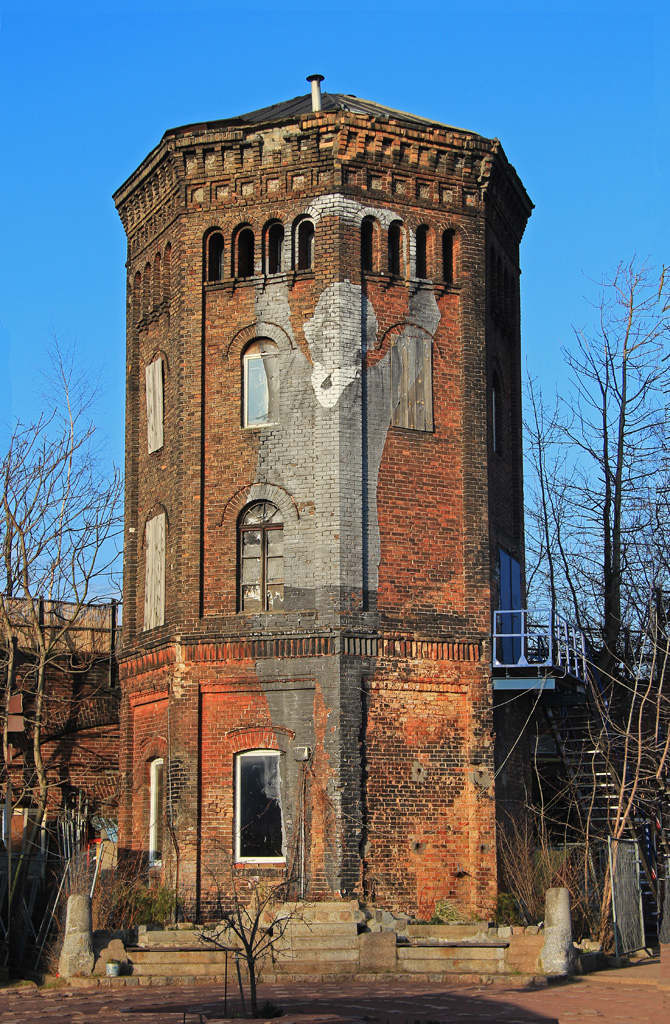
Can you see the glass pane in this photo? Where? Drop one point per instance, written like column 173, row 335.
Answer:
column 257, row 397
column 251, row 570
column 275, row 570
column 158, row 851
column 251, row 598
column 260, row 822
column 251, row 543
column 275, row 597
column 275, row 542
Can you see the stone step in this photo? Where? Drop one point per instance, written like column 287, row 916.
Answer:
column 461, row 952
column 305, row 943
column 318, row 956
column 447, row 931
column 453, row 965
column 318, row 929
column 157, row 956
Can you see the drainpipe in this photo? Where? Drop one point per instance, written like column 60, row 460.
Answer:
column 316, row 81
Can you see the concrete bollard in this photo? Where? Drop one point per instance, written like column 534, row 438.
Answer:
column 77, row 957
column 558, row 952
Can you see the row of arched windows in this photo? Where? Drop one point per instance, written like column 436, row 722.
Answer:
column 502, row 289
column 244, row 255
column 434, row 253
column 152, row 287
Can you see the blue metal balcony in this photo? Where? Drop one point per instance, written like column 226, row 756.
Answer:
column 533, row 647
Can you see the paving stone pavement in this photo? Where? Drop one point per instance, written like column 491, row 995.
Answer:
column 614, row 997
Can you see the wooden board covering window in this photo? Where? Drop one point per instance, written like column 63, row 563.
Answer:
column 411, row 382
column 154, row 382
column 154, row 586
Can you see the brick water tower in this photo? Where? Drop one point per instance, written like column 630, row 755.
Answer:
column 323, row 473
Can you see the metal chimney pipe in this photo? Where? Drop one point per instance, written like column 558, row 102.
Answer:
column 316, row 81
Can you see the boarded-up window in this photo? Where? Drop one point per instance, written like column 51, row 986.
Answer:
column 154, row 381
column 411, row 381
column 154, row 583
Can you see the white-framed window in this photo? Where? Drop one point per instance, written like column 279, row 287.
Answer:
column 259, row 831
column 156, row 790
column 260, row 383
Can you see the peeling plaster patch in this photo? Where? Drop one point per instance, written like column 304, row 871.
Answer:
column 424, row 311
column 334, row 335
column 328, row 387
column 272, row 305
column 337, row 205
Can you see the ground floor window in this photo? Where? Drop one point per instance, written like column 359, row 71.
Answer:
column 258, row 817
column 156, row 770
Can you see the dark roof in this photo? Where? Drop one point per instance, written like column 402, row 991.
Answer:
column 300, row 105
column 329, row 101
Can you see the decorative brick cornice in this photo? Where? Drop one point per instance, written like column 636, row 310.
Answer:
column 255, row 648
column 149, row 662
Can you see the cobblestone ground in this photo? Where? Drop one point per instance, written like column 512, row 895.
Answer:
column 591, row 999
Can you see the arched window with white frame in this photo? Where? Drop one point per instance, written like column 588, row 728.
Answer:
column 156, row 807
column 260, row 383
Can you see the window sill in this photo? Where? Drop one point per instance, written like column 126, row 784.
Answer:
column 245, row 862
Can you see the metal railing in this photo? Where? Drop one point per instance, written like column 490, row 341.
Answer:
column 536, row 638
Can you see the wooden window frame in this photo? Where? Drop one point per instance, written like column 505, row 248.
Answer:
column 264, row 529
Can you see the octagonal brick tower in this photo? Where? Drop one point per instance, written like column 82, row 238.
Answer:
column 323, row 461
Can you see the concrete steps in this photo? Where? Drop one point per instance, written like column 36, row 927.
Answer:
column 322, row 942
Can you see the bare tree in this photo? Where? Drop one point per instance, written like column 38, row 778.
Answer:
column 598, row 546
column 59, row 523
column 254, row 917
column 598, row 461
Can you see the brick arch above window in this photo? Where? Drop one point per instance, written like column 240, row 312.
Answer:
column 159, row 353
column 156, row 510
column 268, row 738
column 386, row 339
column 251, row 493
column 155, row 747
column 258, row 329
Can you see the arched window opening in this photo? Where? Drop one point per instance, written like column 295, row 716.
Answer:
column 261, row 558
column 500, row 302
column 422, row 251
column 367, row 245
column 448, row 257
column 146, row 290
column 137, row 297
column 167, row 270
column 245, row 253
column 305, row 245
column 156, row 804
column 274, row 242
column 260, row 383
column 507, row 296
column 259, row 832
column 496, row 414
column 215, row 270
column 157, row 281
column 394, row 243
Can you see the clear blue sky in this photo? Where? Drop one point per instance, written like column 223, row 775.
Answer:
column 578, row 93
